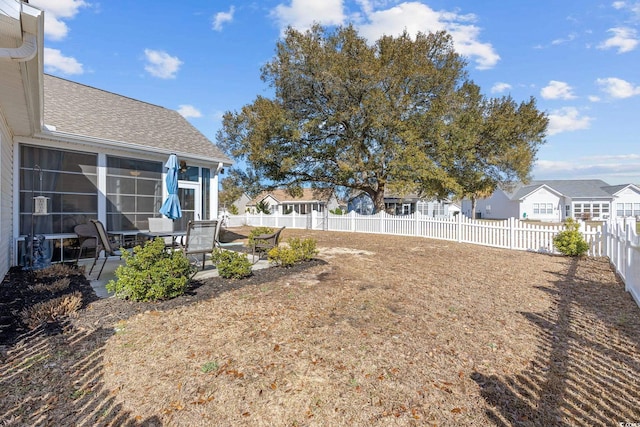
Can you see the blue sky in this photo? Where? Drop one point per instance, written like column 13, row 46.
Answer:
column 579, row 59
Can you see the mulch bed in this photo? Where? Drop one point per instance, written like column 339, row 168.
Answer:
column 379, row 330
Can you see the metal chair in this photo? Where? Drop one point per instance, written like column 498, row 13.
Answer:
column 200, row 239
column 263, row 242
column 161, row 225
column 104, row 244
column 87, row 237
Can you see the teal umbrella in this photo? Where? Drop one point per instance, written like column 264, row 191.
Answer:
column 171, row 207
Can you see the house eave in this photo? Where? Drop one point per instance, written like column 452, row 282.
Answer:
column 545, row 186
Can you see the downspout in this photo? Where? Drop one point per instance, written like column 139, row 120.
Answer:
column 25, row 52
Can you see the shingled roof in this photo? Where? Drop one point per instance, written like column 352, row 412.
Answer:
column 84, row 110
column 310, row 195
column 574, row 188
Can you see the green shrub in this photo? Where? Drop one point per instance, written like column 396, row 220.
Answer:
column 233, row 210
column 231, row 265
column 338, row 211
column 151, row 273
column 570, row 241
column 257, row 231
column 294, row 251
column 306, row 249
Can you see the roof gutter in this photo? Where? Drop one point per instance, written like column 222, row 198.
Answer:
column 26, row 52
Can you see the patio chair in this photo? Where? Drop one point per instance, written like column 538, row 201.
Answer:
column 87, row 238
column 158, row 225
column 224, row 245
column 262, row 243
column 105, row 244
column 200, row 239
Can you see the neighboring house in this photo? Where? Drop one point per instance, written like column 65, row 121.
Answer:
column 406, row 205
column 282, row 202
column 92, row 153
column 240, row 203
column 556, row 200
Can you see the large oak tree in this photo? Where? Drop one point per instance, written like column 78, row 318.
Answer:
column 347, row 114
column 487, row 143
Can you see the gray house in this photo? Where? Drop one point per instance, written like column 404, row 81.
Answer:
column 91, row 153
column 556, row 200
column 404, row 205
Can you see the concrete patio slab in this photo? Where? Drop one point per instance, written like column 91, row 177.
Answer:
column 108, row 274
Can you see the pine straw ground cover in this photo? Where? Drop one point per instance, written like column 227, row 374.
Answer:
column 381, row 330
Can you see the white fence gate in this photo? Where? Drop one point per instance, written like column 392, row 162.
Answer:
column 617, row 241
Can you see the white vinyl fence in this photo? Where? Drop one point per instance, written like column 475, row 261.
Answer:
column 622, row 246
column 618, row 242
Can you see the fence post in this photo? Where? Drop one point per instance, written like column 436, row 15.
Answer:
column 353, row 220
column 416, row 231
column 512, row 231
column 459, row 229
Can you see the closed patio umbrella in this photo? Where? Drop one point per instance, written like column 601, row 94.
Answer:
column 171, row 207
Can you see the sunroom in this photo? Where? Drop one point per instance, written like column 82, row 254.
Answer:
column 113, row 171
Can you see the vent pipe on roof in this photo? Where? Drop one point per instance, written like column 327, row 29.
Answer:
column 26, row 52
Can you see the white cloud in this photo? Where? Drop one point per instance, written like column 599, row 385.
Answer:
column 619, row 169
column 222, row 18
column 624, row 39
column 55, row 13
column 55, row 61
column 301, row 14
column 415, row 16
column 567, row 39
column 618, row 88
column 618, row 4
column 160, row 64
column 594, row 98
column 567, row 119
column 500, row 87
column 373, row 22
column 188, row 111
column 557, row 90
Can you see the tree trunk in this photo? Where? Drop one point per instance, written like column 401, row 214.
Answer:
column 473, row 207
column 378, row 200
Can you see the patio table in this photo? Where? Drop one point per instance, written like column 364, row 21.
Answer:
column 146, row 235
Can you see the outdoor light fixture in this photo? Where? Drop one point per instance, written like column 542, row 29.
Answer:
column 183, row 166
column 41, row 205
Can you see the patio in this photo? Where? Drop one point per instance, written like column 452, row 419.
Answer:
column 108, row 274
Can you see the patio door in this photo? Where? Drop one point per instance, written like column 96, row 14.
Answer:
column 190, row 203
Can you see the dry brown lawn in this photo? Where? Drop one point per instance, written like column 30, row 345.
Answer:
column 386, row 330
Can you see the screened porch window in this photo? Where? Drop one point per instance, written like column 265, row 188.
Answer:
column 134, row 192
column 69, row 181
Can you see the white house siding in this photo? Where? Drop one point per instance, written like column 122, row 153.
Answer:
column 497, row 206
column 6, row 202
column 627, row 196
column 542, row 205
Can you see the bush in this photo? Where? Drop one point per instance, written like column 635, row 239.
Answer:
column 257, row 231
column 295, row 251
column 231, row 265
column 233, row 210
column 337, row 211
column 306, row 249
column 51, row 310
column 570, row 241
column 151, row 273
